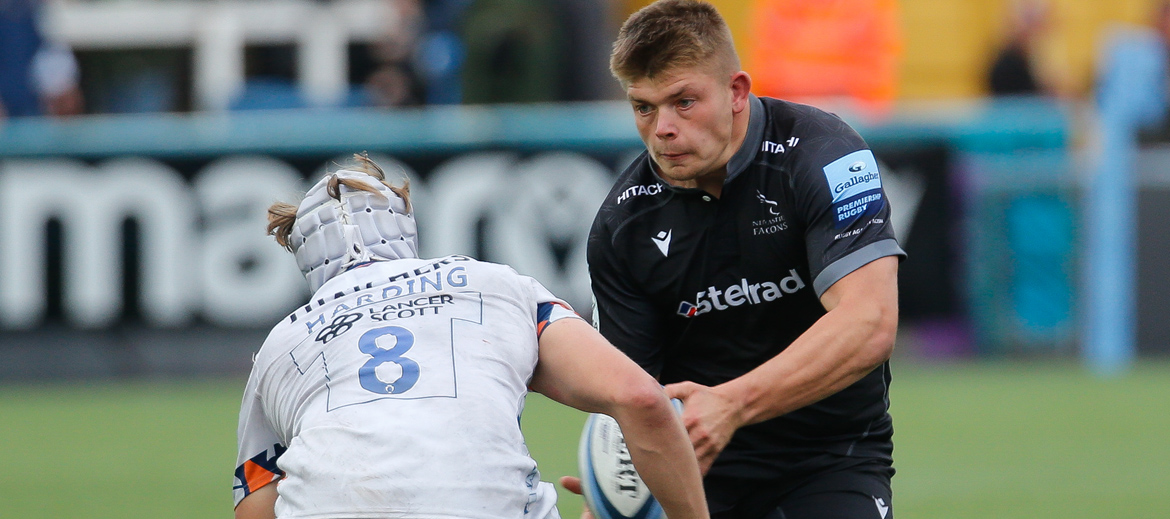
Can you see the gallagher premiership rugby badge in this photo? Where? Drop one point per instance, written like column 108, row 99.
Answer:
column 856, row 186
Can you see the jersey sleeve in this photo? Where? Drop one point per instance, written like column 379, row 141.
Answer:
column 259, row 446
column 549, row 308
column 839, row 196
column 621, row 313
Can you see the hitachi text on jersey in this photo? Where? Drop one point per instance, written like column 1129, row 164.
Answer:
column 632, row 191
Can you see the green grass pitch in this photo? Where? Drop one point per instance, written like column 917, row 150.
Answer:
column 981, row 440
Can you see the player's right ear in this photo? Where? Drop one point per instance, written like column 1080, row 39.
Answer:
column 741, row 89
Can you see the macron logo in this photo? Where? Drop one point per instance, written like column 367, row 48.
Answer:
column 882, row 507
column 663, row 241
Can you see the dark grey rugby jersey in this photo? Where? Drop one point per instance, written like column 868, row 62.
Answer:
column 699, row 288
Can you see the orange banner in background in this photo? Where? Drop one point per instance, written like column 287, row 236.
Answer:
column 805, row 49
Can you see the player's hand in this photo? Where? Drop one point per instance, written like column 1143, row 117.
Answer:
column 573, row 485
column 710, row 418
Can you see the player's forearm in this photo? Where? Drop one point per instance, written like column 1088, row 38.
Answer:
column 843, row 346
column 664, row 457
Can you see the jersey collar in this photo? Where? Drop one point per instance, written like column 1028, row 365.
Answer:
column 751, row 140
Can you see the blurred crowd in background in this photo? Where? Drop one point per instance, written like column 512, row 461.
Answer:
column 428, row 52
column 869, row 52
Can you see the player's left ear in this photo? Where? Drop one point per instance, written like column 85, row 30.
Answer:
column 741, row 88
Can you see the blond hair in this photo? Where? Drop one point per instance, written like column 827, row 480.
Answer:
column 670, row 34
column 282, row 216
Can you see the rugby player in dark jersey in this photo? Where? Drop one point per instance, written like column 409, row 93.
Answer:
column 746, row 259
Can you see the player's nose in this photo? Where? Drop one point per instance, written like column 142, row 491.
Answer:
column 665, row 127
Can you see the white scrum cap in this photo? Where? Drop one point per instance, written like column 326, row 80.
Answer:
column 330, row 236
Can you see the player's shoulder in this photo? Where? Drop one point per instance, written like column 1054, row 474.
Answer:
column 284, row 336
column 487, row 275
column 493, row 270
column 502, row 282
column 807, row 136
column 460, row 272
column 789, row 115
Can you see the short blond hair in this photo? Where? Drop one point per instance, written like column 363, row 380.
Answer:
column 670, row 34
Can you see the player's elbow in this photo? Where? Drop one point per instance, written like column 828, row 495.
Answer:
column 872, row 326
column 639, row 396
column 881, row 326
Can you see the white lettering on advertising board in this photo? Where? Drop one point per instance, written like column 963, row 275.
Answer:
column 203, row 252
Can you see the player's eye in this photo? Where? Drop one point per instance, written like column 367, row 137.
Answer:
column 686, row 103
column 643, row 109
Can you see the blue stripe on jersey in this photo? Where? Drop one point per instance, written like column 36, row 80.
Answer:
column 547, row 313
column 543, row 311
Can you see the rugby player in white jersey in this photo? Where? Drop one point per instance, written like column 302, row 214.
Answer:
column 397, row 390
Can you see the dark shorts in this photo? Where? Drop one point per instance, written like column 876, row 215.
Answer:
column 854, row 492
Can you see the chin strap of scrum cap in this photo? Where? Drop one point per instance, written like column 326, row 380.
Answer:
column 332, row 235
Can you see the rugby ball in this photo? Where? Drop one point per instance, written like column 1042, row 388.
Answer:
column 609, row 483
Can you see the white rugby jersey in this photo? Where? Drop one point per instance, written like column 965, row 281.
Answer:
column 397, row 392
